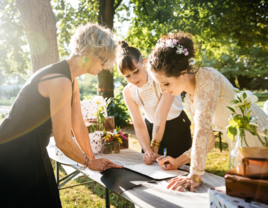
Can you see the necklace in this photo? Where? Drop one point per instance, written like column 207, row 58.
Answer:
column 155, row 90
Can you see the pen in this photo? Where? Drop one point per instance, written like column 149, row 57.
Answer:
column 165, row 155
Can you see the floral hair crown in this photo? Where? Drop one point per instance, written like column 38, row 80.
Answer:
column 173, row 43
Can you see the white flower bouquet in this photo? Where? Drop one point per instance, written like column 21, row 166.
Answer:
column 243, row 101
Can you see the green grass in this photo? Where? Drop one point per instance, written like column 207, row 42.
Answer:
column 260, row 104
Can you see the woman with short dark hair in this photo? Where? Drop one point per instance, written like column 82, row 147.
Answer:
column 166, row 125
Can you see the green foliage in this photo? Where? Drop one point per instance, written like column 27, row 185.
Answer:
column 229, row 35
column 14, row 56
column 118, row 109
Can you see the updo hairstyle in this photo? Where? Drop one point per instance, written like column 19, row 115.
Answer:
column 166, row 59
column 126, row 55
column 93, row 38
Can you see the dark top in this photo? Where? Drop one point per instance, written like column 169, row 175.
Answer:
column 25, row 168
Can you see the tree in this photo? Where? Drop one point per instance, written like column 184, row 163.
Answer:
column 39, row 24
column 107, row 10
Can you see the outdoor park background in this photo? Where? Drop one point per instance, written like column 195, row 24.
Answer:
column 230, row 35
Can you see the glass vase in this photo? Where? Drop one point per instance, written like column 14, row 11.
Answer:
column 107, row 148
column 116, row 147
column 240, row 140
column 99, row 126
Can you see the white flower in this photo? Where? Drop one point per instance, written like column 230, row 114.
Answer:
column 175, row 41
column 253, row 121
column 98, row 99
column 192, row 61
column 169, row 43
column 179, row 49
column 250, row 98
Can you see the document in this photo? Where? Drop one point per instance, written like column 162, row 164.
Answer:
column 155, row 171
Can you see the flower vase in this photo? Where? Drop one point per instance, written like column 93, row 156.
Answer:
column 107, row 148
column 99, row 127
column 116, row 147
column 240, row 140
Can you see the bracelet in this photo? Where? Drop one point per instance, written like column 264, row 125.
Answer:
column 85, row 166
column 155, row 143
column 196, row 179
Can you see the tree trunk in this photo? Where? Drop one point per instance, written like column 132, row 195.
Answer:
column 39, row 23
column 105, row 78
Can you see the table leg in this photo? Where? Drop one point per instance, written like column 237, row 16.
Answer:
column 107, row 198
column 220, row 141
column 57, row 173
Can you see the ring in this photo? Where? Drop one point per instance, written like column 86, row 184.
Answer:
column 105, row 167
column 186, row 185
column 153, row 156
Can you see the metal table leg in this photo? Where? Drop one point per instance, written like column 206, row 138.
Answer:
column 107, row 198
column 220, row 141
column 57, row 167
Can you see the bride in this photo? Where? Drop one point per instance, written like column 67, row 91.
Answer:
column 208, row 95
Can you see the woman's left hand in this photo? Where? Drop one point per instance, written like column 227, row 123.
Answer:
column 186, row 182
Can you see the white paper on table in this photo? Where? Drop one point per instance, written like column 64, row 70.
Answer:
column 155, row 171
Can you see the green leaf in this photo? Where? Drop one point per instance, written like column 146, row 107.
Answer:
column 248, row 114
column 234, row 101
column 231, row 132
column 231, row 109
column 244, row 95
column 236, row 91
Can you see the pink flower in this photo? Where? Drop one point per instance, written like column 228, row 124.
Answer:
column 175, row 41
column 122, row 135
column 111, row 139
column 186, row 53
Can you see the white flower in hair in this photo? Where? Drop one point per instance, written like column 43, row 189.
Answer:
column 179, row 49
column 169, row 43
column 192, row 61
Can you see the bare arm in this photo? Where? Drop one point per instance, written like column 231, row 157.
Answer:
column 139, row 124
column 160, row 117
column 59, row 92
column 78, row 124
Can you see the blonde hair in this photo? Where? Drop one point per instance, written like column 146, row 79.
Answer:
column 93, row 38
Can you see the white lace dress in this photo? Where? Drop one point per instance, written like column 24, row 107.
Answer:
column 213, row 93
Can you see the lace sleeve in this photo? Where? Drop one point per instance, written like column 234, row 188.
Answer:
column 208, row 90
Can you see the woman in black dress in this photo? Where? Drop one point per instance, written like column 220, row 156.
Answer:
column 50, row 99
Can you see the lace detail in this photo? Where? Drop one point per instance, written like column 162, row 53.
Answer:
column 213, row 93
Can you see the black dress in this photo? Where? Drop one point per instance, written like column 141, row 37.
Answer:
column 27, row 178
column 177, row 135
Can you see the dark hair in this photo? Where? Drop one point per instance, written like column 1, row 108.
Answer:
column 167, row 60
column 126, row 57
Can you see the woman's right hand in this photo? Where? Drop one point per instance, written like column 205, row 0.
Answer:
column 170, row 163
column 102, row 165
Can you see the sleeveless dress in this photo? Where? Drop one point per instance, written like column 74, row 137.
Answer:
column 27, row 178
column 177, row 135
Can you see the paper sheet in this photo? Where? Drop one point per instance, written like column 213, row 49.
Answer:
column 155, row 171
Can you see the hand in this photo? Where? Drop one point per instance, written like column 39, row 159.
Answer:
column 102, row 165
column 168, row 163
column 149, row 157
column 181, row 183
column 172, row 163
